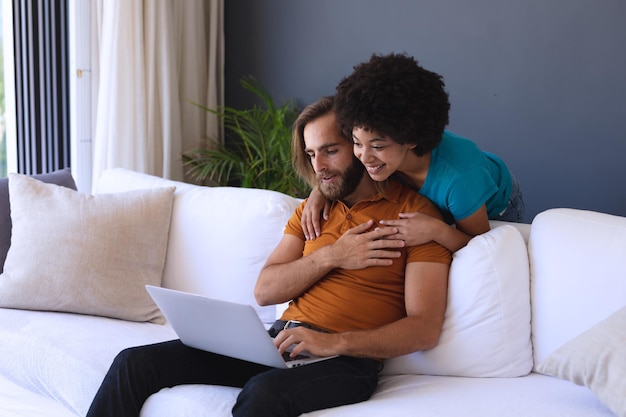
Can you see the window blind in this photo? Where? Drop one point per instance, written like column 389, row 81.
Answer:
column 41, row 85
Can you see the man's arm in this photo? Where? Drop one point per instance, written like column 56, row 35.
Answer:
column 287, row 273
column 425, row 298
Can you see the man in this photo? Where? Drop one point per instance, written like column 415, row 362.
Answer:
column 349, row 291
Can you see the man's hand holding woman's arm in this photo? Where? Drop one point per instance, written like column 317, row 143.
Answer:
column 287, row 273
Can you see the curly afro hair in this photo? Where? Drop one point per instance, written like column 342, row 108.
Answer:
column 394, row 96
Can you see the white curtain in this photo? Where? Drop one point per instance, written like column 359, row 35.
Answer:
column 152, row 60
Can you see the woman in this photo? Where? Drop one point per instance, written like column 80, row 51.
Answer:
column 396, row 112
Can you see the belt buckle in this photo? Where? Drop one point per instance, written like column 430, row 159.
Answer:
column 288, row 323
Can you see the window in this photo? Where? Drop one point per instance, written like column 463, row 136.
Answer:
column 3, row 131
column 8, row 160
column 35, row 84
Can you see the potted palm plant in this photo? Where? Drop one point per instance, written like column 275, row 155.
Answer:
column 257, row 152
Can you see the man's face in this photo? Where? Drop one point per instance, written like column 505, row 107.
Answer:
column 337, row 169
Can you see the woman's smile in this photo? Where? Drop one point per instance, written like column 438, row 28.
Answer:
column 375, row 169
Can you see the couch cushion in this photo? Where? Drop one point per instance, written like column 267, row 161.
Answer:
column 61, row 177
column 191, row 401
column 411, row 396
column 65, row 356
column 577, row 274
column 220, row 237
column 597, row 360
column 78, row 253
column 18, row 401
column 486, row 331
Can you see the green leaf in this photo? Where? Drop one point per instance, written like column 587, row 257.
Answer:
column 258, row 154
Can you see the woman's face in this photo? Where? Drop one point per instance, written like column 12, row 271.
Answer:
column 380, row 155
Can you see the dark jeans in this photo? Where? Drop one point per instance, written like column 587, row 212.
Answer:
column 138, row 372
column 514, row 212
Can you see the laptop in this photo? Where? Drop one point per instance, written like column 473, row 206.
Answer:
column 223, row 327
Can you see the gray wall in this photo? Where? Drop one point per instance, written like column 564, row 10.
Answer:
column 540, row 83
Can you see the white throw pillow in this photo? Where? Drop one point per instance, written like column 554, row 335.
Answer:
column 220, row 237
column 85, row 254
column 486, row 331
column 595, row 359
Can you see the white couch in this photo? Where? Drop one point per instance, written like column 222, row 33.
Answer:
column 567, row 271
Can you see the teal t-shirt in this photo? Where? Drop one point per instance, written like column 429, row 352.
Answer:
column 461, row 178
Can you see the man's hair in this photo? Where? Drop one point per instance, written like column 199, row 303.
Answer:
column 394, row 96
column 299, row 158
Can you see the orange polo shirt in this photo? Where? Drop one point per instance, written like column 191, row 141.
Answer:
column 368, row 298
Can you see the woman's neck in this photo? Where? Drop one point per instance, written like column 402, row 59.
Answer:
column 415, row 169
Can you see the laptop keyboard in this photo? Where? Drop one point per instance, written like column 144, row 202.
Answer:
column 288, row 358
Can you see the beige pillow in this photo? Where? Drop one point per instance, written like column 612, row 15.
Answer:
column 85, row 254
column 595, row 359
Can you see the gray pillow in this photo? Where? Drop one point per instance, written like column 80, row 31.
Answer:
column 61, row 177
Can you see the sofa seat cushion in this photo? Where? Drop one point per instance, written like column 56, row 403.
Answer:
column 191, row 401
column 65, row 356
column 486, row 329
column 17, row 401
column 412, row 396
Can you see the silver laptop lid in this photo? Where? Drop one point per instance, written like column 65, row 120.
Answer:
column 219, row 326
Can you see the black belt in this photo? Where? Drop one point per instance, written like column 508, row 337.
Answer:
column 280, row 325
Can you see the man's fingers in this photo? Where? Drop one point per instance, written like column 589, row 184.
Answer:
column 384, row 254
column 387, row 244
column 363, row 227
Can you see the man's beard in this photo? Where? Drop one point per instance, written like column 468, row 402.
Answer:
column 349, row 180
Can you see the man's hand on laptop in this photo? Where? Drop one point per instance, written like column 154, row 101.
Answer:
column 307, row 340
